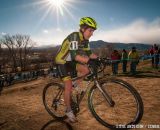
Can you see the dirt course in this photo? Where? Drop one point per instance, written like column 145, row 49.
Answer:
column 21, row 106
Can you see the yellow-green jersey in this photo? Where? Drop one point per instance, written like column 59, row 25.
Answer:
column 133, row 55
column 73, row 45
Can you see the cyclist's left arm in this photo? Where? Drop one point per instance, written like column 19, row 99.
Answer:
column 89, row 52
column 93, row 56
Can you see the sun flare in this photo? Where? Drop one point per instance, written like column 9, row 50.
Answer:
column 57, row 9
column 57, row 3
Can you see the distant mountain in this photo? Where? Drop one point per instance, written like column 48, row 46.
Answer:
column 43, row 47
column 100, row 43
column 119, row 46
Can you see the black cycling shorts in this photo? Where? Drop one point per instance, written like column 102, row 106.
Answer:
column 67, row 71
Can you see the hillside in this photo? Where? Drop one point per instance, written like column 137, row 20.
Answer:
column 127, row 46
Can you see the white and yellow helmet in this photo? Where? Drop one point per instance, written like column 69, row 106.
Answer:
column 88, row 21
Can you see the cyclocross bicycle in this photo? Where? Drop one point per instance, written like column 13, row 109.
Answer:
column 111, row 101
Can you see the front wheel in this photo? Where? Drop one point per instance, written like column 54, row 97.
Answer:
column 128, row 107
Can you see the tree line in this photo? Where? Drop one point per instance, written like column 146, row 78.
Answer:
column 20, row 52
column 14, row 50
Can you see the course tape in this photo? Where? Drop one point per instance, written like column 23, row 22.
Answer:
column 156, row 58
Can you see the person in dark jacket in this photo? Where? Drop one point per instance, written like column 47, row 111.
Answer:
column 156, row 57
column 124, row 59
column 1, row 83
column 115, row 57
column 151, row 52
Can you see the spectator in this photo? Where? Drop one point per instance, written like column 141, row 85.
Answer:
column 159, row 57
column 42, row 72
column 0, row 68
column 115, row 57
column 134, row 58
column 1, row 82
column 20, row 76
column 24, row 76
column 151, row 52
column 9, row 79
column 156, row 57
column 124, row 59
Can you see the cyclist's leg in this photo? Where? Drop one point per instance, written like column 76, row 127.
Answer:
column 67, row 98
column 66, row 78
column 67, row 92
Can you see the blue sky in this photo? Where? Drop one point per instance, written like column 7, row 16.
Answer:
column 118, row 20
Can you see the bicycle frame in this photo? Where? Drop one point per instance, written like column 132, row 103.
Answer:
column 93, row 78
column 97, row 84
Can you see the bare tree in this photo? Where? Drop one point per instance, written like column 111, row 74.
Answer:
column 0, row 57
column 24, row 45
column 4, row 57
column 19, row 47
column 10, row 44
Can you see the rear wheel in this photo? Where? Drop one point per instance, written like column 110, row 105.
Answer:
column 53, row 100
column 128, row 108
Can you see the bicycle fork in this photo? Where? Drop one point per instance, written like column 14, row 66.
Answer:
column 105, row 94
